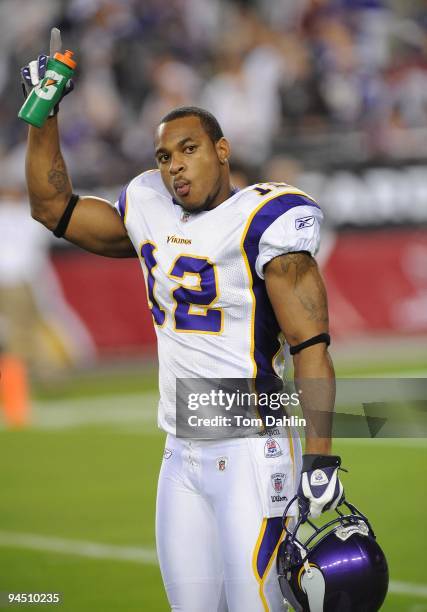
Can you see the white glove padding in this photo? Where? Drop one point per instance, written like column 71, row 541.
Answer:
column 320, row 488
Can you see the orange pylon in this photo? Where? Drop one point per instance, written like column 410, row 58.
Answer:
column 14, row 391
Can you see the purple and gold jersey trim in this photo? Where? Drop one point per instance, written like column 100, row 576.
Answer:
column 265, row 328
column 122, row 203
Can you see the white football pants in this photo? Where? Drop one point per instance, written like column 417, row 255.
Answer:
column 217, row 551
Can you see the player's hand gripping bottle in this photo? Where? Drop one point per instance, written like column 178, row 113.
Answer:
column 44, row 97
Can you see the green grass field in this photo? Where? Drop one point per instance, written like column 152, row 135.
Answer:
column 78, row 495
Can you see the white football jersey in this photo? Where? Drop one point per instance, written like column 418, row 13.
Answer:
column 204, row 277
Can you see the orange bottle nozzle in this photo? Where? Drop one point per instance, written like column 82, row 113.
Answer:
column 66, row 58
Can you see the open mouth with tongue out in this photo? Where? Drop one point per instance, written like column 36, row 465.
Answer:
column 182, row 188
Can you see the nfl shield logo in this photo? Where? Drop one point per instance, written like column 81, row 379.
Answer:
column 278, row 481
column 272, row 448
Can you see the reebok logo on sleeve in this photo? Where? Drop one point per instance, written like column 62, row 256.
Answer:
column 304, row 222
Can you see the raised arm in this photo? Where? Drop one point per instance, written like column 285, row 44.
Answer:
column 298, row 296
column 95, row 225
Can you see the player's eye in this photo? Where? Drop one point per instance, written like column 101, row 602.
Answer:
column 190, row 149
column 162, row 158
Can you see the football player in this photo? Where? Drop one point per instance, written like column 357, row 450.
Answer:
column 230, row 276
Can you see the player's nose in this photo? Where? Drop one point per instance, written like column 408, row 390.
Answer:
column 176, row 165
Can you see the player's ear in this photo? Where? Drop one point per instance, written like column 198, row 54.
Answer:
column 223, row 150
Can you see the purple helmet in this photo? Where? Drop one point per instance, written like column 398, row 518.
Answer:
column 339, row 568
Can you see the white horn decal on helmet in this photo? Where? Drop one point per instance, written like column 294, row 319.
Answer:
column 313, row 585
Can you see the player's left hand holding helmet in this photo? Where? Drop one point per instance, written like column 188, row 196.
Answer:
column 320, row 488
column 340, row 567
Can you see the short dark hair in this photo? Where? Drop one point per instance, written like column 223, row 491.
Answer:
column 209, row 122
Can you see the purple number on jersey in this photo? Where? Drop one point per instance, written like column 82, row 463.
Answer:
column 147, row 251
column 202, row 295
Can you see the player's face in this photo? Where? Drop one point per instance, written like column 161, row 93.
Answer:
column 193, row 168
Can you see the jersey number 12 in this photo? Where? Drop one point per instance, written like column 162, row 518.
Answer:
column 192, row 311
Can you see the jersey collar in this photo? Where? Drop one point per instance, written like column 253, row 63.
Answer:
column 233, row 192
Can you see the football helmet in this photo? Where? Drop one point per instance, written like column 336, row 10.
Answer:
column 340, row 567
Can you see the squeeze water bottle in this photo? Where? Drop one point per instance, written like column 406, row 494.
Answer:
column 43, row 98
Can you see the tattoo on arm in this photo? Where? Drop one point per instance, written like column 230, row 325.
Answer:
column 312, row 295
column 57, row 175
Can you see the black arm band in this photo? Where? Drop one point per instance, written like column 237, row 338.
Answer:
column 314, row 340
column 63, row 222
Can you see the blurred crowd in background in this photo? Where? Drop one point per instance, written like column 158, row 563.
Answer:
column 328, row 95
column 320, row 81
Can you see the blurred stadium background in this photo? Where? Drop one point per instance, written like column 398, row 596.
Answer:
column 329, row 95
